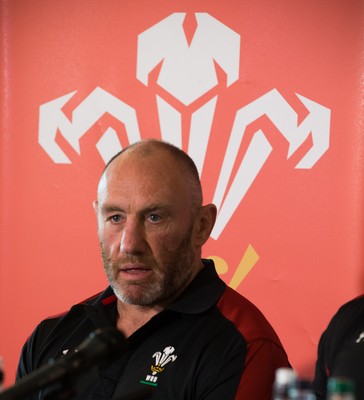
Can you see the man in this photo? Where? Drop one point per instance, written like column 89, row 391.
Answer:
column 341, row 349
column 189, row 335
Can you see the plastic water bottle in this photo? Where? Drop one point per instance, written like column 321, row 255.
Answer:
column 285, row 378
column 340, row 388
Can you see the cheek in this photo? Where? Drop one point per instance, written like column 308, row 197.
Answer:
column 114, row 249
column 167, row 243
column 110, row 243
column 161, row 242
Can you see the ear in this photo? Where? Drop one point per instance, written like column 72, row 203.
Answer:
column 204, row 222
column 95, row 205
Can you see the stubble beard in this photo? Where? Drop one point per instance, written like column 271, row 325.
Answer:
column 170, row 275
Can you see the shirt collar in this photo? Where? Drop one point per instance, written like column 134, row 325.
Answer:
column 202, row 293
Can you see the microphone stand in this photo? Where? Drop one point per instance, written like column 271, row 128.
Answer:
column 70, row 386
column 60, row 391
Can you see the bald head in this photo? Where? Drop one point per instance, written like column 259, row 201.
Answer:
column 163, row 154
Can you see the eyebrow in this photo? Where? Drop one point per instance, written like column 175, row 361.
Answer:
column 153, row 207
column 110, row 208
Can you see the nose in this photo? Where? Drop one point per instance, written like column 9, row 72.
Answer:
column 132, row 239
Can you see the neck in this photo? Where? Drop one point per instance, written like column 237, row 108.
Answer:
column 131, row 317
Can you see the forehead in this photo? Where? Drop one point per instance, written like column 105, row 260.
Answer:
column 152, row 176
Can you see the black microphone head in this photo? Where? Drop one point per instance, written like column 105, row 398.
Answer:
column 102, row 346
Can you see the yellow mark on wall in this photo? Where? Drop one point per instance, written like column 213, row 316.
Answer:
column 249, row 259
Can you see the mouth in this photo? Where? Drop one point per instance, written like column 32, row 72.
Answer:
column 132, row 271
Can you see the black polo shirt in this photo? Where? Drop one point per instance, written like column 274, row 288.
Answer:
column 211, row 344
column 341, row 349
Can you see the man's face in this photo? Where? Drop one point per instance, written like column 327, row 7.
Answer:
column 145, row 222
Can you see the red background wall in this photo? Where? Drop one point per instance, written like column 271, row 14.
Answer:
column 304, row 226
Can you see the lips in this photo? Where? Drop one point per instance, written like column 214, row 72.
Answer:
column 134, row 267
column 135, row 270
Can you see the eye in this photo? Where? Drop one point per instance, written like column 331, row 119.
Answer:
column 154, row 217
column 115, row 219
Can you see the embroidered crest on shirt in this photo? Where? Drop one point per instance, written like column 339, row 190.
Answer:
column 161, row 359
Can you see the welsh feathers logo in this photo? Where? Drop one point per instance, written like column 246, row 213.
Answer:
column 161, row 360
column 187, row 54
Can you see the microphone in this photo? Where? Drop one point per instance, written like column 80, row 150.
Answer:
column 101, row 346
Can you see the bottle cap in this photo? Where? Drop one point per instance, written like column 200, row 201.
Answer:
column 340, row 385
column 285, row 376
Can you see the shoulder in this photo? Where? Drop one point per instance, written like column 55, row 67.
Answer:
column 345, row 321
column 355, row 304
column 347, row 313
column 246, row 317
column 51, row 334
column 71, row 316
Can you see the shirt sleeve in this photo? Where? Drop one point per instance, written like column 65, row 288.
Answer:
column 263, row 358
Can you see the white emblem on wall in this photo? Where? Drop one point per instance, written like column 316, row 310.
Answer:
column 187, row 73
